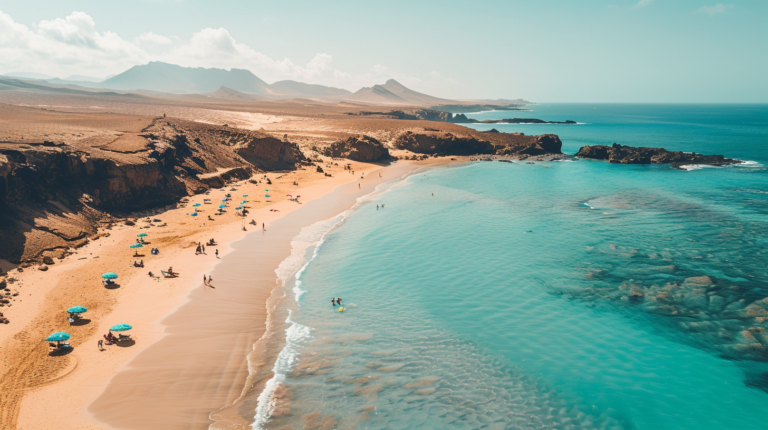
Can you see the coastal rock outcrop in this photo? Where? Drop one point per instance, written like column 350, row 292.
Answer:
column 642, row 155
column 533, row 145
column 478, row 143
column 269, row 153
column 359, row 148
column 437, row 142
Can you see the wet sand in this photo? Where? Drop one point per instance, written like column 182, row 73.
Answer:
column 200, row 364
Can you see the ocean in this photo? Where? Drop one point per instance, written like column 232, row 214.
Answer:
column 554, row 295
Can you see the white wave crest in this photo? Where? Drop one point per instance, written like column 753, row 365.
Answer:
column 295, row 335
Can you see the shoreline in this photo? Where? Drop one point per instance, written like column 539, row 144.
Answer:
column 64, row 386
column 274, row 352
column 165, row 387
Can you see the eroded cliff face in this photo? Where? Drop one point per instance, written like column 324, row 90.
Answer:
column 642, row 155
column 441, row 143
column 51, row 196
column 359, row 148
column 269, row 153
column 477, row 143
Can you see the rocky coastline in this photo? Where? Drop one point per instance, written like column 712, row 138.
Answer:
column 622, row 154
column 53, row 195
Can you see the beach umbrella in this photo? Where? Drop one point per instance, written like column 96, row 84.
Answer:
column 196, row 205
column 245, row 195
column 58, row 336
column 288, row 195
column 120, row 327
column 137, row 245
column 228, row 195
column 222, row 206
column 77, row 309
column 110, row 275
column 266, row 189
column 142, row 235
column 193, row 214
column 239, row 207
column 267, row 195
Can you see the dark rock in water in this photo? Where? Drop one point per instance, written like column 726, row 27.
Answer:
column 643, row 155
column 359, row 148
column 524, row 121
column 493, row 130
column 537, row 145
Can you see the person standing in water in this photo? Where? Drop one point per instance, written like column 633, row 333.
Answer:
column 333, row 302
column 338, row 300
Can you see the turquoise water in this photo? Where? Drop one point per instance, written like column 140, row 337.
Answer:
column 555, row 295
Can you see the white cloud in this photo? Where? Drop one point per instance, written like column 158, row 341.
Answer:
column 152, row 39
column 73, row 45
column 713, row 10
column 642, row 3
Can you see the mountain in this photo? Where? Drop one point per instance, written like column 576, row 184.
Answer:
column 393, row 92
column 82, row 78
column 300, row 89
column 170, row 78
column 230, row 94
column 29, row 75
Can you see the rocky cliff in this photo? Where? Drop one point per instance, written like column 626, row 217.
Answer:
column 51, row 195
column 476, row 143
column 442, row 143
column 359, row 148
column 642, row 155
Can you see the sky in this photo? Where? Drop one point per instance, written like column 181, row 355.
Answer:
column 645, row 51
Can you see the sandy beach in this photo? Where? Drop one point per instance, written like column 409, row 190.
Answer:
column 191, row 341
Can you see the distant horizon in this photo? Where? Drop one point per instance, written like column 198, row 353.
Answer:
column 646, row 51
column 47, row 77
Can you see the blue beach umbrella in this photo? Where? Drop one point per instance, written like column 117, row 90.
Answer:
column 222, row 206
column 120, row 327
column 110, row 275
column 58, row 336
column 267, row 195
column 245, row 195
column 224, row 200
column 77, row 309
column 239, row 207
column 136, row 245
column 142, row 235
column 193, row 214
column 266, row 189
column 196, row 205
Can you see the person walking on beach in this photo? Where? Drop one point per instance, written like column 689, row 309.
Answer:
column 358, row 186
column 205, row 280
column 217, row 253
column 203, row 248
column 377, row 207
